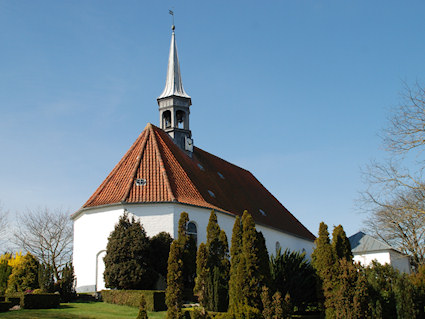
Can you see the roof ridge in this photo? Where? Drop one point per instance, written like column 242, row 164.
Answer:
column 161, row 164
column 136, row 167
column 113, row 172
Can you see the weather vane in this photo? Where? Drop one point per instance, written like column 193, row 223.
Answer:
column 172, row 13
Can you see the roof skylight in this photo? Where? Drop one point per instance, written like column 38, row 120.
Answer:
column 262, row 212
column 211, row 193
column 201, row 167
column 221, row 175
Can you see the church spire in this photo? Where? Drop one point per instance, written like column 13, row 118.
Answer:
column 174, row 103
column 173, row 84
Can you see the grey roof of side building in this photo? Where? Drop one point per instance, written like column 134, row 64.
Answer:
column 361, row 243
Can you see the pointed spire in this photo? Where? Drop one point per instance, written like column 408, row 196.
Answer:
column 173, row 84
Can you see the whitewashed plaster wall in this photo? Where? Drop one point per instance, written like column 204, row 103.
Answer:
column 91, row 232
column 93, row 226
column 201, row 217
column 398, row 261
column 366, row 259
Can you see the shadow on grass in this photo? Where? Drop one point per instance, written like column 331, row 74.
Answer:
column 38, row 315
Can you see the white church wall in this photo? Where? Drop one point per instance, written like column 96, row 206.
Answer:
column 91, row 231
column 201, row 216
column 285, row 240
column 155, row 218
column 93, row 226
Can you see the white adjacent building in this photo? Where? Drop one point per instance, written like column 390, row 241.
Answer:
column 366, row 249
column 164, row 174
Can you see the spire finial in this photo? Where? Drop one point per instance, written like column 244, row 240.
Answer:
column 173, row 27
column 173, row 84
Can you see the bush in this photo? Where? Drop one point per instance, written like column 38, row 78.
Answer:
column 5, row 306
column 24, row 275
column 40, row 301
column 222, row 315
column 155, row 299
column 127, row 256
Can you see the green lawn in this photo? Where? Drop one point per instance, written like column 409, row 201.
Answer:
column 92, row 310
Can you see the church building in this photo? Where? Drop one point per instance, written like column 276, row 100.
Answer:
column 164, row 174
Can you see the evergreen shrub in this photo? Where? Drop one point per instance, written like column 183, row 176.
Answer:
column 40, row 301
column 127, row 256
column 201, row 313
column 5, row 306
column 142, row 309
column 222, row 315
column 196, row 313
column 155, row 299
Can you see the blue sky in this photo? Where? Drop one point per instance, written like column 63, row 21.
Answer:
column 294, row 91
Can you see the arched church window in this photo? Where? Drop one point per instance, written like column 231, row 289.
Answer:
column 180, row 117
column 192, row 231
column 277, row 246
column 166, row 119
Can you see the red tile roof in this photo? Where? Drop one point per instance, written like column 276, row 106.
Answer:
column 204, row 180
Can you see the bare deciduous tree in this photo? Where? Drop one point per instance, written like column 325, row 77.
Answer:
column 406, row 131
column 47, row 235
column 3, row 222
column 395, row 197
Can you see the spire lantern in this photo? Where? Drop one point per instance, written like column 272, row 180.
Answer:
column 174, row 103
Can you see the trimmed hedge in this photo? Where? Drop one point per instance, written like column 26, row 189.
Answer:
column 34, row 301
column 155, row 299
column 5, row 306
column 40, row 301
column 15, row 301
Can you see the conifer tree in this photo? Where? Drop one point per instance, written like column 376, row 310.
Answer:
column 264, row 264
column 5, row 271
column 251, row 262
column 267, row 304
column 324, row 261
column 202, row 271
column 277, row 305
column 24, row 275
column 127, row 256
column 175, row 286
column 46, row 281
column 159, row 251
column 341, row 244
column 188, row 249
column 218, row 265
column 66, row 284
column 361, row 295
column 236, row 281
